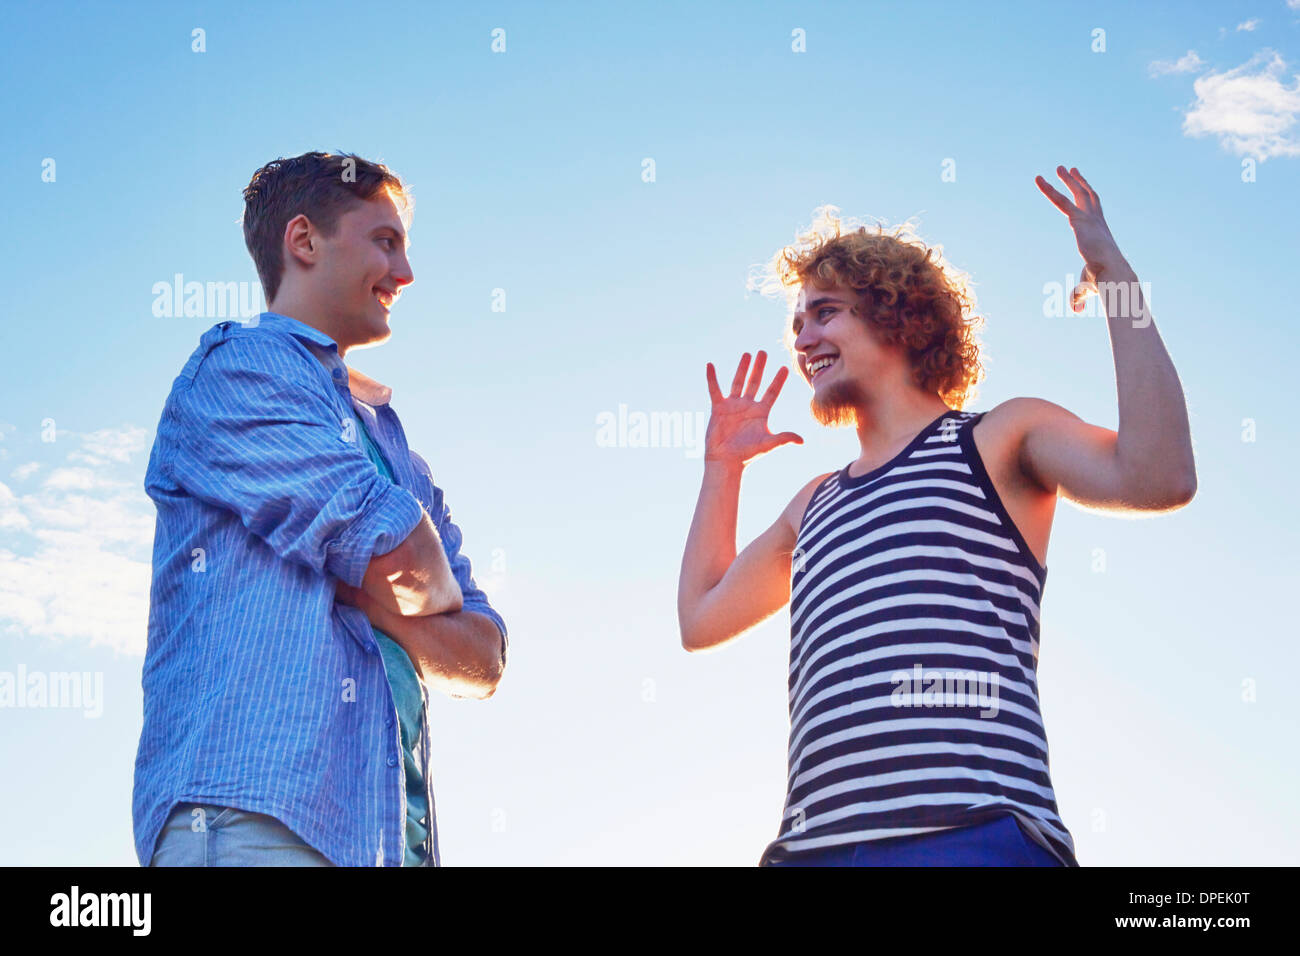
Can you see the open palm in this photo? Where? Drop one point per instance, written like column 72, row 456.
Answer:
column 738, row 428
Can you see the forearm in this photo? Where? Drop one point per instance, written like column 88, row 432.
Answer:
column 1154, row 441
column 711, row 542
column 415, row 578
column 462, row 652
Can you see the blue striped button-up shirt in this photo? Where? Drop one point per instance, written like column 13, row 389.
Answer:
column 260, row 691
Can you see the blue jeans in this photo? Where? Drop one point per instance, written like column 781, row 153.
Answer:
column 207, row 835
column 998, row 842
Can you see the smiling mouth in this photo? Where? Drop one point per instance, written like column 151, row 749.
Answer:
column 821, row 367
column 386, row 299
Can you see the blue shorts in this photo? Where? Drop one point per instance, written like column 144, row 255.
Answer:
column 997, row 842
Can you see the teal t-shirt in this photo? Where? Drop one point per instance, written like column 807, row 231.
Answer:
column 405, row 683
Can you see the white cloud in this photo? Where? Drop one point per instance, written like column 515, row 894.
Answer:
column 110, row 444
column 1249, row 108
column 1188, row 63
column 1247, row 25
column 23, row 472
column 71, row 479
column 76, row 564
column 11, row 519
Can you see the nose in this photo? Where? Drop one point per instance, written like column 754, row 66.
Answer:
column 806, row 339
column 402, row 274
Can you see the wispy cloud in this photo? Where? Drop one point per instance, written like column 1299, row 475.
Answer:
column 1247, row 25
column 76, row 560
column 110, row 444
column 1188, row 63
column 1249, row 108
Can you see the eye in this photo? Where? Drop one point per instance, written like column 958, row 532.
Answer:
column 387, row 239
column 824, row 309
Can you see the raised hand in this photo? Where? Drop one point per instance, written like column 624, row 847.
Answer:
column 1097, row 246
column 738, row 424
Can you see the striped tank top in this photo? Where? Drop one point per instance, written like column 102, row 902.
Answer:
column 914, row 605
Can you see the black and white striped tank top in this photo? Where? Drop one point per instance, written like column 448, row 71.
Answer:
column 914, row 606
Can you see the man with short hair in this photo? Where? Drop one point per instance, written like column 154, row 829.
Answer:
column 914, row 574
column 308, row 581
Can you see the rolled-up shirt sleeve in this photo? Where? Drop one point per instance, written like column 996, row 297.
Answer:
column 474, row 599
column 257, row 434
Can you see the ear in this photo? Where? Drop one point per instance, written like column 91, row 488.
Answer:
column 301, row 240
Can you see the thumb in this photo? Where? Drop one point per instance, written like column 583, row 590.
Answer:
column 786, row 437
column 1081, row 292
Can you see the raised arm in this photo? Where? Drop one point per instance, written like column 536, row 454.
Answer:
column 1148, row 464
column 721, row 595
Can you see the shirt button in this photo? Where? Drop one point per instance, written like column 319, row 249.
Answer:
column 392, row 761
column 388, row 721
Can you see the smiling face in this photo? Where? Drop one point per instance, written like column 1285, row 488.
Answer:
column 361, row 270
column 838, row 354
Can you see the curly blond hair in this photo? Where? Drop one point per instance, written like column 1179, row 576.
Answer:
column 916, row 299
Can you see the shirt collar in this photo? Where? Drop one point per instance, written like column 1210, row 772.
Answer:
column 327, row 351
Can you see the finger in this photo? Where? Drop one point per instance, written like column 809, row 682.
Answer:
column 738, row 382
column 785, row 438
column 756, row 376
column 1092, row 193
column 1059, row 201
column 1081, row 198
column 1078, row 177
column 773, row 390
column 715, row 393
column 1080, row 293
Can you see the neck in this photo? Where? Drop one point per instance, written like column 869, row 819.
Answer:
column 296, row 307
column 889, row 421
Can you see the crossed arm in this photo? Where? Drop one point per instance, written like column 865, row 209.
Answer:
column 253, row 434
column 411, row 594
column 459, row 651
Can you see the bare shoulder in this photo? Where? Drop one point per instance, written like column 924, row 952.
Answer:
column 1003, row 429
column 794, row 511
column 1004, row 437
column 1021, row 414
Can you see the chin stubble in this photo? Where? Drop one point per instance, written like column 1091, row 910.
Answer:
column 838, row 405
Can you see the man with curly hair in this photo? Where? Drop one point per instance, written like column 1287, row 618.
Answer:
column 915, row 573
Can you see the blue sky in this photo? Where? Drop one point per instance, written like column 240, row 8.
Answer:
column 1165, row 642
